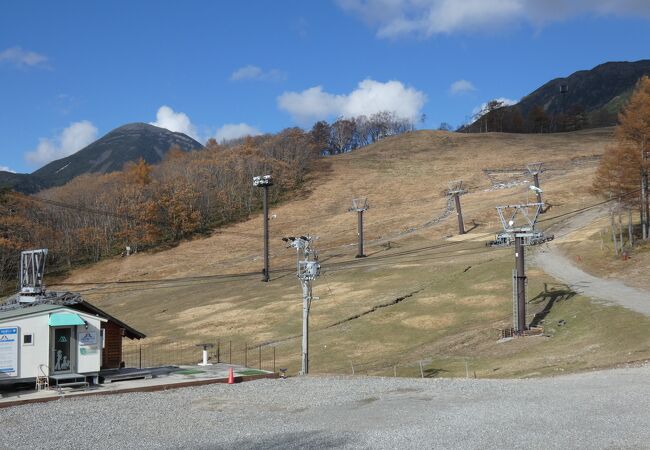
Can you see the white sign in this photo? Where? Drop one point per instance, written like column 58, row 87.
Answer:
column 88, row 338
column 8, row 352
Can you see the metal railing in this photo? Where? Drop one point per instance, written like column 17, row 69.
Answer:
column 156, row 354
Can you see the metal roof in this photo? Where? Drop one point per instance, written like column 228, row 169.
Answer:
column 56, row 300
column 27, row 310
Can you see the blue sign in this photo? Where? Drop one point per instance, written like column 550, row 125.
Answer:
column 9, row 351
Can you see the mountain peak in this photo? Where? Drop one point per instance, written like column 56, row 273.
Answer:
column 585, row 99
column 129, row 142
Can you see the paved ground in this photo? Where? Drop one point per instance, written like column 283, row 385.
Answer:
column 551, row 261
column 607, row 409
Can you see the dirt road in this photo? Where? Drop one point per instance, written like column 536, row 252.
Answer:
column 553, row 262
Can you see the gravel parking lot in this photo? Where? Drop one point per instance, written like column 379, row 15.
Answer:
column 606, row 409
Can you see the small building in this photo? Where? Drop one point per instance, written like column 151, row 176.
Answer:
column 57, row 335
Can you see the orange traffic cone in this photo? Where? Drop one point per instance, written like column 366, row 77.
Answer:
column 231, row 377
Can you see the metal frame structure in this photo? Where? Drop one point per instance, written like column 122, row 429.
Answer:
column 455, row 191
column 360, row 205
column 518, row 223
column 308, row 269
column 511, row 217
column 32, row 270
column 535, row 168
column 265, row 181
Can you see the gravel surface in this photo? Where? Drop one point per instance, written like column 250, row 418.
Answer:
column 551, row 261
column 606, row 409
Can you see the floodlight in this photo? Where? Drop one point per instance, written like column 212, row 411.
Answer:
column 511, row 222
column 535, row 188
column 263, row 181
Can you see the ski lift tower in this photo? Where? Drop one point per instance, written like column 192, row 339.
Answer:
column 308, row 269
column 518, row 223
column 360, row 205
column 535, row 169
column 32, row 269
column 455, row 191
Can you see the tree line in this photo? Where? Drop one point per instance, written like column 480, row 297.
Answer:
column 347, row 134
column 497, row 116
column 144, row 206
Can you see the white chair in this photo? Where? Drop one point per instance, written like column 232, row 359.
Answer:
column 43, row 380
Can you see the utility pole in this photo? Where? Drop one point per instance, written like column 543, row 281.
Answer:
column 518, row 223
column 456, row 190
column 265, row 182
column 308, row 269
column 645, row 213
column 535, row 169
column 360, row 205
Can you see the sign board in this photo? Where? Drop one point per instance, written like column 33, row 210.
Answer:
column 88, row 338
column 9, row 352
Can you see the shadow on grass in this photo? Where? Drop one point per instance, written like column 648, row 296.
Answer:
column 550, row 296
column 474, row 226
column 432, row 372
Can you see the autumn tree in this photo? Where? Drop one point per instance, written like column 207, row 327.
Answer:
column 320, row 135
column 24, row 225
column 633, row 131
column 623, row 170
column 538, row 119
column 342, row 136
column 618, row 172
column 139, row 171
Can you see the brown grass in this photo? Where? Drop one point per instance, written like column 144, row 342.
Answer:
column 464, row 291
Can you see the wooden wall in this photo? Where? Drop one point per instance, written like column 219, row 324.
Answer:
column 112, row 355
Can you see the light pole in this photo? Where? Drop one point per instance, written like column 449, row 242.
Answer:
column 308, row 269
column 265, row 182
column 360, row 205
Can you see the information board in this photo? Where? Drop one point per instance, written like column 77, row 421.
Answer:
column 8, row 352
column 88, row 338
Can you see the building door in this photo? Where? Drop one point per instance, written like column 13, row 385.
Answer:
column 62, row 357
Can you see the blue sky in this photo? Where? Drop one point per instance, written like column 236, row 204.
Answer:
column 72, row 71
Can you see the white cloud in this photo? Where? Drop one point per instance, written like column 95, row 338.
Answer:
column 395, row 18
column 6, row 169
column 71, row 140
column 180, row 122
column 231, row 131
column 174, row 121
column 461, row 87
column 370, row 97
column 22, row 58
column 505, row 101
column 251, row 72
column 312, row 103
